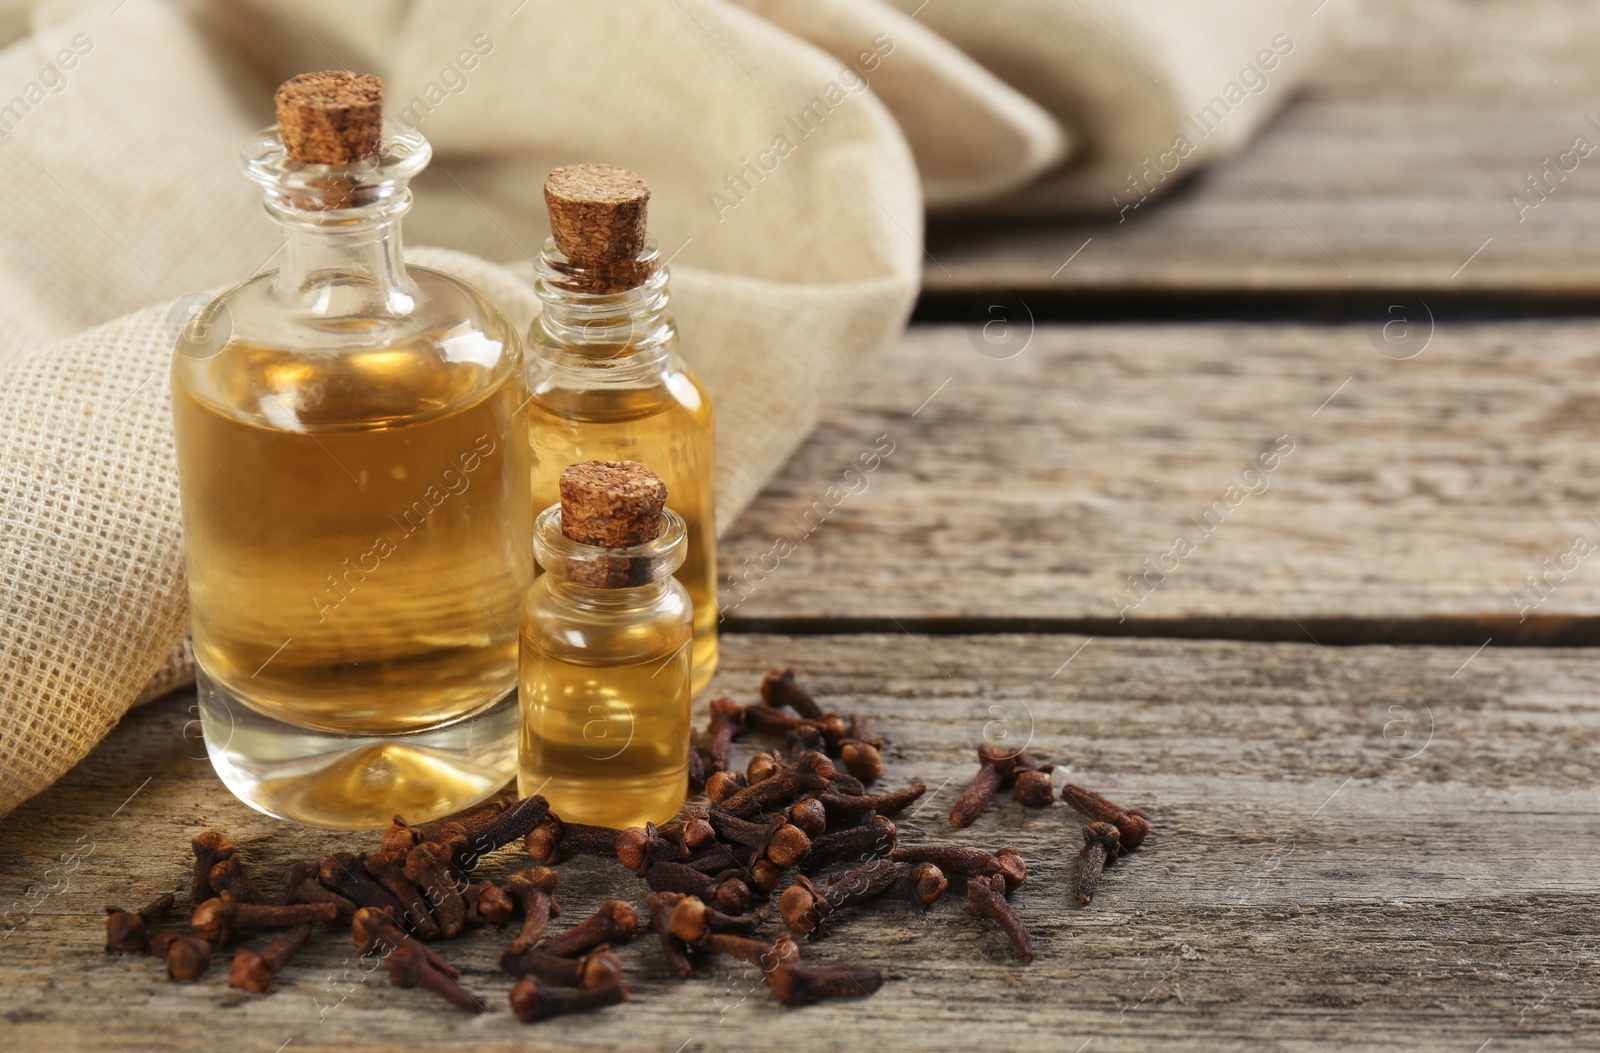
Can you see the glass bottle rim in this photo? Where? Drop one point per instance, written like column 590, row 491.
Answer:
column 363, row 183
column 645, row 563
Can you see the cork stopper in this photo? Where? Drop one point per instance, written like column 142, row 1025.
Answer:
column 330, row 118
column 612, row 504
column 599, row 219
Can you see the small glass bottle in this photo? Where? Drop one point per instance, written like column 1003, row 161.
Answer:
column 355, row 493
column 606, row 651
column 605, row 377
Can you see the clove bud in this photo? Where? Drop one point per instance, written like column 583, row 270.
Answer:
column 1132, row 826
column 614, row 922
column 986, row 899
column 804, row 906
column 794, row 984
column 532, row 999
column 1101, row 844
column 253, row 970
column 128, row 931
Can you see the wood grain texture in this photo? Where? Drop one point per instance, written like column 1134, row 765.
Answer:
column 1401, row 857
column 1418, row 497
column 1391, row 169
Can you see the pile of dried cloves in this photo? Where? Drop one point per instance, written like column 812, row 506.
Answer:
column 712, row 873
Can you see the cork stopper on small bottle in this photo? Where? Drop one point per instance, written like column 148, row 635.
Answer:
column 612, row 504
column 330, row 118
column 599, row 219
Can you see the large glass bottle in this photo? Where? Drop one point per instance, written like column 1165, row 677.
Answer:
column 605, row 377
column 605, row 657
column 355, row 492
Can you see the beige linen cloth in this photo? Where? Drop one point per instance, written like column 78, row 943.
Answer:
column 790, row 145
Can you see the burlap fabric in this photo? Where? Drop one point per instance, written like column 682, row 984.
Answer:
column 782, row 139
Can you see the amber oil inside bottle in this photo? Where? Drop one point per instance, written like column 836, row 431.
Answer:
column 604, row 682
column 355, row 487
column 606, row 382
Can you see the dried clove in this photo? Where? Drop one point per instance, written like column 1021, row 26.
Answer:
column 216, row 920
column 692, row 919
column 389, row 870
column 188, row 958
column 764, row 955
column 952, row 859
column 927, row 883
column 794, row 984
column 639, row 846
column 762, row 766
column 300, row 885
column 128, row 931
column 809, row 817
column 1033, row 789
column 1132, row 826
column 986, row 899
column 780, row 688
column 532, row 999
column 778, row 840
column 861, row 759
column 229, row 875
column 1101, row 844
column 554, row 840
column 661, row 906
column 252, row 970
column 210, row 848
column 804, row 906
column 427, row 867
column 489, row 903
column 162, row 941
column 508, row 826
column 847, row 784
column 692, row 830
column 724, row 784
column 716, row 858
column 408, row 966
column 809, row 774
column 852, row 809
column 874, row 836
column 996, row 768
column 697, row 766
column 402, row 837
column 805, row 738
column 346, row 874
column 727, row 889
column 727, row 724
column 376, row 932
column 777, row 722
column 596, row 969
column 861, row 730
column 534, row 888
column 614, row 922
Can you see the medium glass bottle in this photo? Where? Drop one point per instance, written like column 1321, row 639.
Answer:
column 605, row 377
column 605, row 659
column 355, row 493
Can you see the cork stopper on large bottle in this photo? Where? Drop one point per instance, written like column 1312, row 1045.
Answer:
column 599, row 219
column 330, row 118
column 612, row 504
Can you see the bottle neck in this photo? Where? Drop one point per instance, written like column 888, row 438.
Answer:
column 343, row 262
column 610, row 601
column 620, row 335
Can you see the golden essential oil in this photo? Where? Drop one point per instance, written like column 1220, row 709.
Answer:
column 606, row 657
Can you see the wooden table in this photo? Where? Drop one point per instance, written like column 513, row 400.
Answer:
column 1371, row 752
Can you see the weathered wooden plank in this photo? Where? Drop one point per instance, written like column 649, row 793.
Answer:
column 1401, row 857
column 1393, row 169
column 1418, row 496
